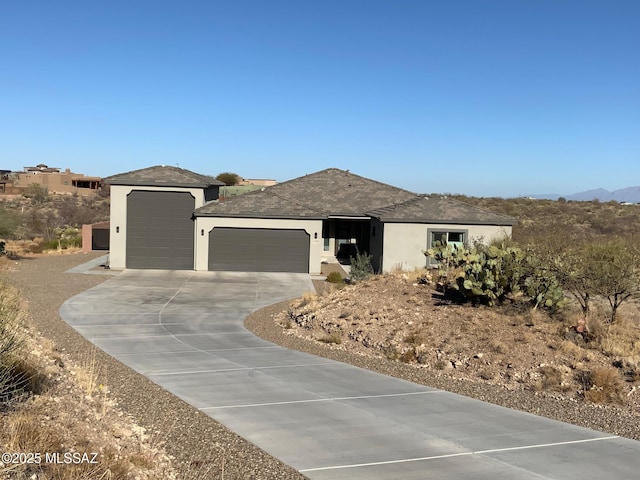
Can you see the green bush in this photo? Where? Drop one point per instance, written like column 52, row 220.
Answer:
column 62, row 243
column 361, row 267
column 334, row 277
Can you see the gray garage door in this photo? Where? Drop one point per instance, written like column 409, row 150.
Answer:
column 160, row 230
column 258, row 250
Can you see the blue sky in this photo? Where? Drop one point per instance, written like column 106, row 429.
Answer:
column 481, row 97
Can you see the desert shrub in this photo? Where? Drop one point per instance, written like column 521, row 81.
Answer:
column 361, row 267
column 8, row 223
column 334, row 277
column 37, row 193
column 36, row 246
column 331, row 338
column 604, row 386
column 617, row 340
column 551, row 378
column 62, row 243
column 408, row 356
column 14, row 373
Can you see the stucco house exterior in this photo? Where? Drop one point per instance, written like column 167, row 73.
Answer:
column 170, row 218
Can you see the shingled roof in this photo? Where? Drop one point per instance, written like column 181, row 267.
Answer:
column 335, row 193
column 330, row 192
column 425, row 209
column 162, row 176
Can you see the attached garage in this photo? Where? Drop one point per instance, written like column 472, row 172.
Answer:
column 160, row 230
column 258, row 250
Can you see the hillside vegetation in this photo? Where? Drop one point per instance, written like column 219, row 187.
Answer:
column 38, row 220
column 573, row 221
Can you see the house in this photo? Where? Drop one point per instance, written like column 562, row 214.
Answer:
column 55, row 181
column 262, row 182
column 170, row 218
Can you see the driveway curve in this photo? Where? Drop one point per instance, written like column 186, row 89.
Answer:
column 184, row 331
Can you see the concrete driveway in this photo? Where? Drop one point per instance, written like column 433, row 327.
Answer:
column 184, row 330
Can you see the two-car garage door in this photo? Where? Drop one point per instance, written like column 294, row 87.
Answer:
column 258, row 250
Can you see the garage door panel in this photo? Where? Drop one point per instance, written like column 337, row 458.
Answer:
column 258, row 250
column 160, row 231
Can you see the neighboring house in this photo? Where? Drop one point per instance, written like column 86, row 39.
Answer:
column 262, row 182
column 55, row 181
column 291, row 226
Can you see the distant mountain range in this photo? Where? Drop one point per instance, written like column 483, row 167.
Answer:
column 629, row 194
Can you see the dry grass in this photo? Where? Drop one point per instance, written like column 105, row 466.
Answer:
column 605, row 386
column 308, row 300
column 71, row 413
column 88, row 373
column 551, row 378
column 332, row 338
column 622, row 339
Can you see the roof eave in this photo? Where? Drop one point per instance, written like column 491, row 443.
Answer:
column 159, row 184
column 447, row 222
column 268, row 217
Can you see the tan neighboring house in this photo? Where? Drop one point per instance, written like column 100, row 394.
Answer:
column 170, row 218
column 262, row 182
column 54, row 180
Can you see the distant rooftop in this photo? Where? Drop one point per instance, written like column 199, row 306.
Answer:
column 162, row 175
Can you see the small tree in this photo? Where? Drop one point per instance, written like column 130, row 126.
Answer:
column 572, row 267
column 228, row 178
column 615, row 272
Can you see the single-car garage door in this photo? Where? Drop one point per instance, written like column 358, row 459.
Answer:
column 160, row 230
column 258, row 250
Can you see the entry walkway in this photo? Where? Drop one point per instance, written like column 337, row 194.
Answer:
column 184, row 331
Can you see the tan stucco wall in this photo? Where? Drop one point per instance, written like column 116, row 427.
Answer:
column 312, row 227
column 118, row 234
column 404, row 242
column 61, row 182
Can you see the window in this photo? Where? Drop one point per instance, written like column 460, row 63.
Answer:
column 457, row 238
column 447, row 238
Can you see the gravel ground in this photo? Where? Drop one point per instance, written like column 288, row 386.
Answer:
column 195, row 440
